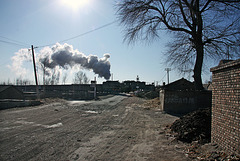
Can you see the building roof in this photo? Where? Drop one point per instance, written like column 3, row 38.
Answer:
column 6, row 87
column 3, row 88
column 181, row 84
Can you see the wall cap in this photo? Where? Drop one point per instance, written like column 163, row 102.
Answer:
column 223, row 64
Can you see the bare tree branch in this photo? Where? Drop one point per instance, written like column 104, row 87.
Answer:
column 202, row 28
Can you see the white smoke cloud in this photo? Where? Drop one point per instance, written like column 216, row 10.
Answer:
column 18, row 60
column 63, row 57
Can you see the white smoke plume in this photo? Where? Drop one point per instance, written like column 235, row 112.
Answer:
column 18, row 60
column 66, row 57
column 62, row 57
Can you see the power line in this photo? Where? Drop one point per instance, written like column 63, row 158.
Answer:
column 163, row 77
column 89, row 31
column 12, row 43
column 19, row 43
column 85, row 33
column 16, row 41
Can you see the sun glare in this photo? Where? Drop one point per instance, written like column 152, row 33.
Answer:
column 76, row 4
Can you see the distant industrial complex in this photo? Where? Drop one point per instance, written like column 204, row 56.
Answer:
column 79, row 91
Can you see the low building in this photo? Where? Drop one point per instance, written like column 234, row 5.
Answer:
column 179, row 97
column 112, row 86
column 133, row 85
column 10, row 92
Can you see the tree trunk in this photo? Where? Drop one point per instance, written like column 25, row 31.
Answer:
column 199, row 47
column 198, row 68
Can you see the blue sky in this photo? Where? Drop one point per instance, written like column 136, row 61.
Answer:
column 45, row 22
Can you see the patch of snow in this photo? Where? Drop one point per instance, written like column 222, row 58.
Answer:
column 54, row 125
column 91, row 112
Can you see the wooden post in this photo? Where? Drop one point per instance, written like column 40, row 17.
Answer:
column 35, row 73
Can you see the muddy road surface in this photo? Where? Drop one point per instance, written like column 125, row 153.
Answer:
column 115, row 128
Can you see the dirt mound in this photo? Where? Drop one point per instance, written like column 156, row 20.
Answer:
column 153, row 103
column 195, row 126
column 51, row 100
column 148, row 95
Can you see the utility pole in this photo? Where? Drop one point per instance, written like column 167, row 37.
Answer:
column 35, row 73
column 168, row 69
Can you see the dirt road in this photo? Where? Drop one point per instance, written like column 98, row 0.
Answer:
column 116, row 128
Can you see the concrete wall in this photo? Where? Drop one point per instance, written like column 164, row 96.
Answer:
column 226, row 105
column 81, row 91
column 69, row 91
column 6, row 104
column 74, row 91
column 182, row 102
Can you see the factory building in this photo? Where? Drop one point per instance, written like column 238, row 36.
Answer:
column 85, row 91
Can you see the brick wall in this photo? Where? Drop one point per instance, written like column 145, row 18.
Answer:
column 225, row 105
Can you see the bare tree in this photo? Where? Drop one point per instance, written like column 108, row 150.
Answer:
column 64, row 78
column 50, row 74
column 20, row 81
column 81, row 78
column 55, row 77
column 9, row 82
column 86, row 80
column 3, row 83
column 44, row 69
column 206, row 28
column 47, row 82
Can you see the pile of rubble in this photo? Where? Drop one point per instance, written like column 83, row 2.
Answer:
column 208, row 152
column 195, row 126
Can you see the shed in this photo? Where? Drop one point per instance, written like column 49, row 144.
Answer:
column 179, row 97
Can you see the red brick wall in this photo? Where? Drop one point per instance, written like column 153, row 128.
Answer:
column 226, row 105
